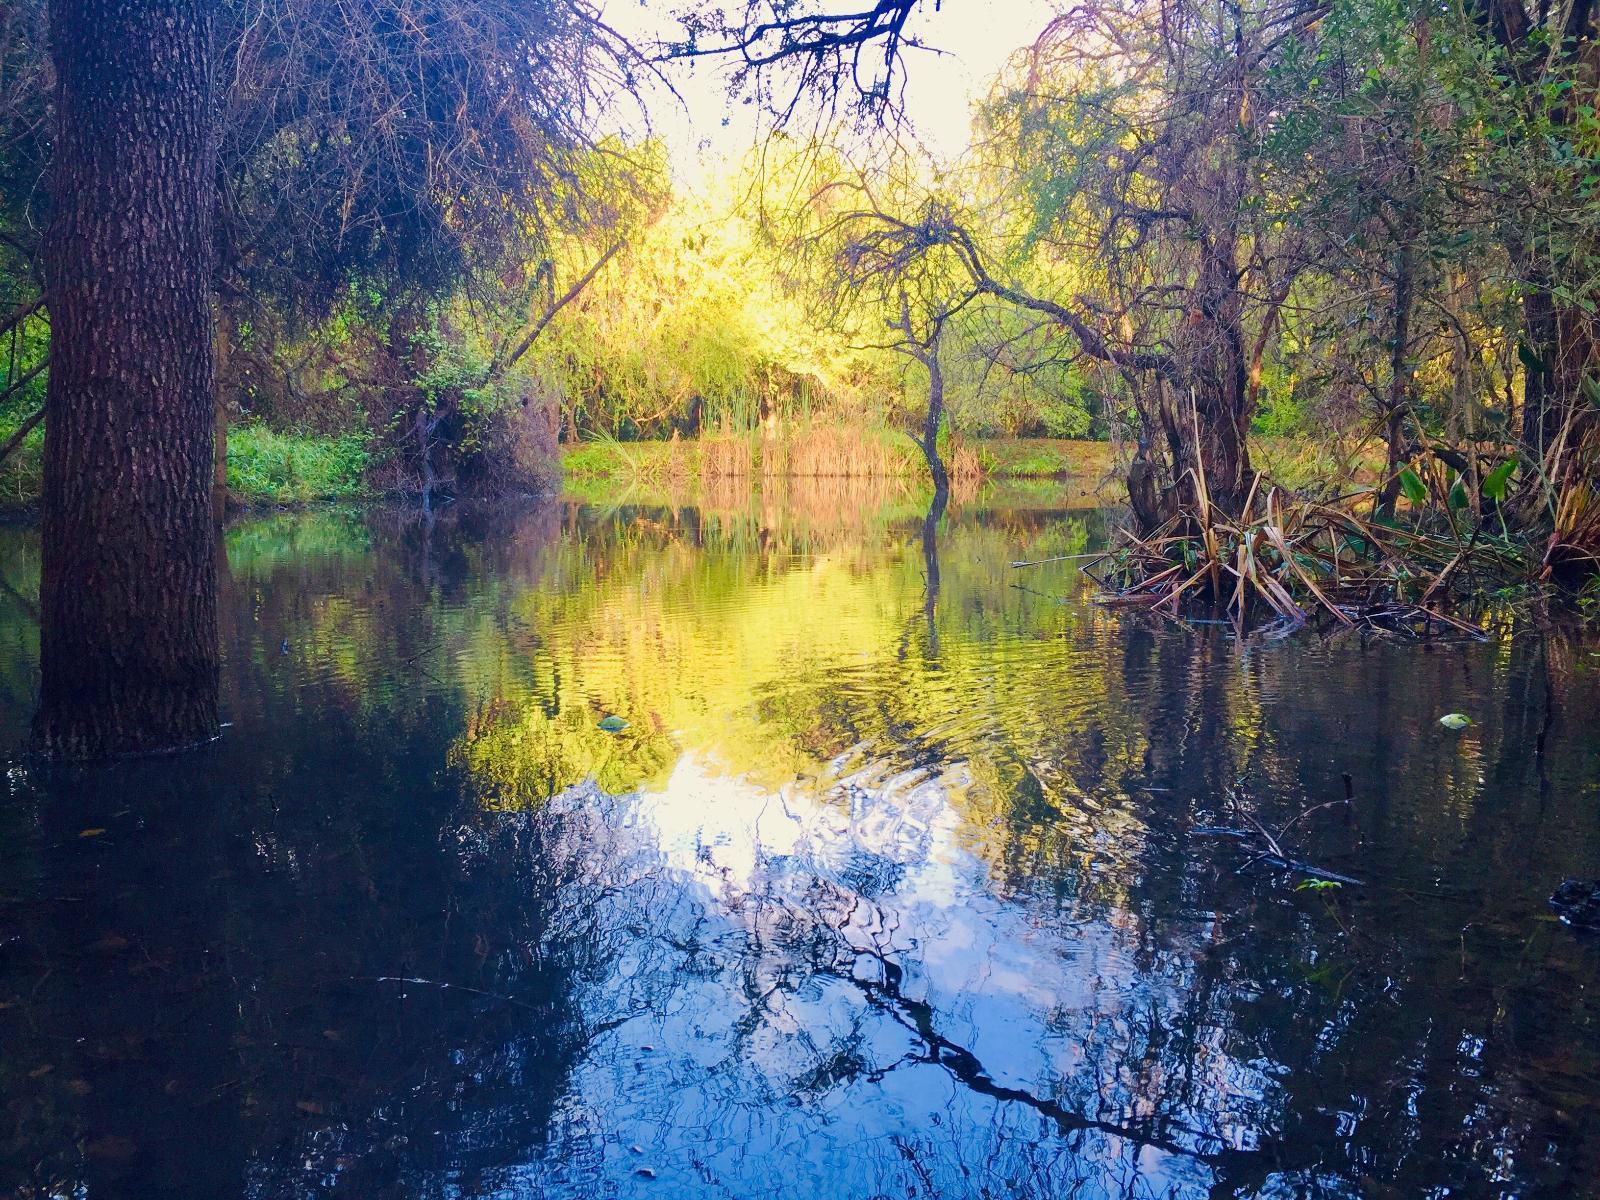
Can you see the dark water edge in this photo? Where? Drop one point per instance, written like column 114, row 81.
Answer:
column 877, row 894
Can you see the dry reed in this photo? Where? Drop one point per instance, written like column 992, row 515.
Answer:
column 1294, row 559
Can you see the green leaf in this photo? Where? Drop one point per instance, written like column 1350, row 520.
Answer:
column 1494, row 483
column 1411, row 484
column 613, row 724
column 1318, row 885
column 1455, row 720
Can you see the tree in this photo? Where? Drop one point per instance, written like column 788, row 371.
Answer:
column 1130, row 129
column 922, row 345
column 400, row 147
column 408, row 169
column 918, row 290
column 1540, row 67
column 128, row 636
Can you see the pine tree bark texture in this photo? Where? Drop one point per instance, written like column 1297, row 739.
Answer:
column 128, row 636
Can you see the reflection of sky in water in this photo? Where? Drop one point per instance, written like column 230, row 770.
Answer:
column 788, row 992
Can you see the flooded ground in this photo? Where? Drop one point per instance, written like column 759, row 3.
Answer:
column 904, row 875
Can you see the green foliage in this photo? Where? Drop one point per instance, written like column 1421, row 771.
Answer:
column 1283, row 411
column 1415, row 490
column 1318, row 885
column 1495, row 482
column 21, row 351
column 695, row 327
column 1588, row 601
column 265, row 543
column 276, row 468
column 21, row 473
column 1024, row 458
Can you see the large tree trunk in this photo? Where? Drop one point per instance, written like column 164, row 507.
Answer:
column 128, row 639
column 1221, row 403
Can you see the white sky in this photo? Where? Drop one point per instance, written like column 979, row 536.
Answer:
column 975, row 38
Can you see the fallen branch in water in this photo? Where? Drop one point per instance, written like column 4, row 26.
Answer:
column 1270, row 845
column 439, row 983
column 1035, row 562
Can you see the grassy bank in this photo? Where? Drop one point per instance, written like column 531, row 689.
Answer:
column 270, row 468
column 264, row 468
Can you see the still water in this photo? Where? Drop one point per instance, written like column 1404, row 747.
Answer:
column 902, row 880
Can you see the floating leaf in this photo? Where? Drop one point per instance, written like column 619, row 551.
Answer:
column 1455, row 720
column 1318, row 885
column 91, row 833
column 1411, row 484
column 1494, row 483
column 613, row 724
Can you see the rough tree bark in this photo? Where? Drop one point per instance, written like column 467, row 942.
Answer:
column 128, row 639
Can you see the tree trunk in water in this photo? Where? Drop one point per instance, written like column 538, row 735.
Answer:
column 128, row 638
column 941, row 491
column 930, row 425
column 1222, row 400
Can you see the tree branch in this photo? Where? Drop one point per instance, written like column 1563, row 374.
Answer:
column 23, row 431
column 505, row 363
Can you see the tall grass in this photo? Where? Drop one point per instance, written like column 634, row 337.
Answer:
column 809, row 449
column 265, row 466
column 821, row 449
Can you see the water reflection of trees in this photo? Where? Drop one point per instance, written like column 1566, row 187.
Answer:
column 994, row 945
column 331, row 978
column 209, row 996
column 1235, row 1035
column 1080, row 759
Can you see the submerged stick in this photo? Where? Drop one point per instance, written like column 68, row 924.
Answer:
column 1059, row 558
